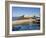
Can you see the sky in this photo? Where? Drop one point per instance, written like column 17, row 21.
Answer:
column 26, row 11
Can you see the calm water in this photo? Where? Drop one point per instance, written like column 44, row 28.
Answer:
column 26, row 27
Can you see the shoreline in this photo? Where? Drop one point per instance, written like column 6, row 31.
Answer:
column 23, row 21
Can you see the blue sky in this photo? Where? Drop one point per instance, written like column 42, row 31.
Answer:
column 26, row 11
